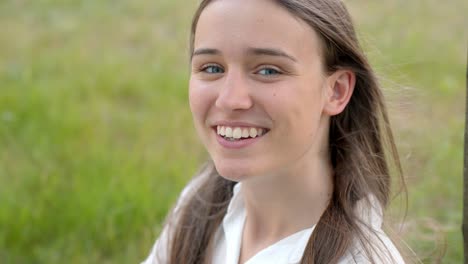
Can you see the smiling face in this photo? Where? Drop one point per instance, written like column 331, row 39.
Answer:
column 257, row 78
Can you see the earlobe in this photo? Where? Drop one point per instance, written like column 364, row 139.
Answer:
column 339, row 91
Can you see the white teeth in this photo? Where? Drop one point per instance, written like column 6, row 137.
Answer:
column 245, row 133
column 237, row 133
column 260, row 132
column 228, row 132
column 253, row 132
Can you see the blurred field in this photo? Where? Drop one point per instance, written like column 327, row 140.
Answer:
column 96, row 138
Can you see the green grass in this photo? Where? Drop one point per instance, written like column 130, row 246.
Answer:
column 420, row 48
column 96, row 138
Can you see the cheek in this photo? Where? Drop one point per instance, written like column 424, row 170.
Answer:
column 301, row 113
column 198, row 101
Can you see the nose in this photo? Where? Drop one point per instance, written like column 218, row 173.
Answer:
column 234, row 93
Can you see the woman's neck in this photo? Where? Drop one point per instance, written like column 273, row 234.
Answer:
column 290, row 201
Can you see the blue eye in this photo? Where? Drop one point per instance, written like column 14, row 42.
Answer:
column 213, row 69
column 268, row 71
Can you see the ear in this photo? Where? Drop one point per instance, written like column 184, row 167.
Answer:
column 340, row 87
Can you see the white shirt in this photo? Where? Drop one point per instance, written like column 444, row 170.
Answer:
column 289, row 250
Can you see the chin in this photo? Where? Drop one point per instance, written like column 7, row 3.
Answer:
column 233, row 172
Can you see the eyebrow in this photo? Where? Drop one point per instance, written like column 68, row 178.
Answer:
column 205, row 51
column 253, row 51
column 270, row 52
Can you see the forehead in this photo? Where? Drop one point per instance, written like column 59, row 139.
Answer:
column 231, row 25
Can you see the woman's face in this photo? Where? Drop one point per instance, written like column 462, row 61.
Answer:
column 257, row 78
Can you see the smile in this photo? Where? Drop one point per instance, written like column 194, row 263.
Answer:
column 238, row 137
column 239, row 133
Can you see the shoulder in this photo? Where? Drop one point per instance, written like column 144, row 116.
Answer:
column 375, row 241
column 382, row 250
column 158, row 254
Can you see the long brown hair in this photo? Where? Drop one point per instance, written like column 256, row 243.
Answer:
column 361, row 145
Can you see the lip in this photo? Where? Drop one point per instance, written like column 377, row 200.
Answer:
column 237, row 124
column 236, row 144
column 240, row 143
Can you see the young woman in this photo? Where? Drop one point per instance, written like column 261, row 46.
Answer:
column 292, row 116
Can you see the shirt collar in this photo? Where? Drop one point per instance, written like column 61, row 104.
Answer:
column 234, row 220
column 233, row 224
column 369, row 210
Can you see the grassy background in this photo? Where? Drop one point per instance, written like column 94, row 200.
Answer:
column 96, row 138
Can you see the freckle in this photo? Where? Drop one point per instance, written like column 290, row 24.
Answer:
column 274, row 94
